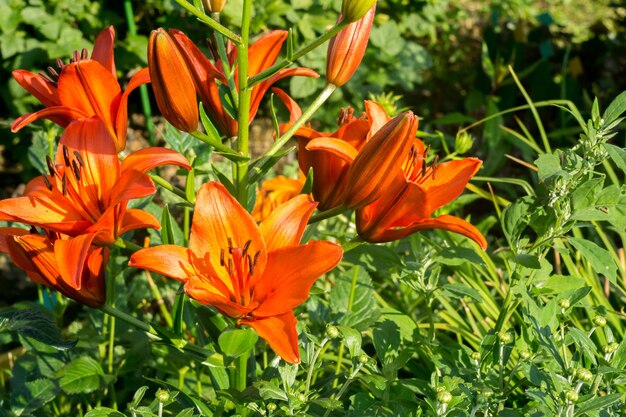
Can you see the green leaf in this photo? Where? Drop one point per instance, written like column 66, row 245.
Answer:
column 599, row 258
column 32, row 396
column 528, row 261
column 352, row 339
column 617, row 154
column 598, row 403
column 34, row 324
column 138, row 396
column 167, row 234
column 227, row 101
column 104, row 412
column 82, row 375
column 187, row 412
column 456, row 255
column 364, row 310
column 259, row 167
column 548, row 164
column 236, row 342
column 209, row 127
column 615, row 109
column 462, row 290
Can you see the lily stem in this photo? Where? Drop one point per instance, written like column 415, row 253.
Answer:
column 327, row 214
column 244, row 105
column 317, row 103
column 298, row 54
column 209, row 22
column 169, row 187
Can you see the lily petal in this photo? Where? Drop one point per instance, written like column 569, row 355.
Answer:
column 38, row 86
column 448, row 182
column 52, row 213
column 445, row 222
column 295, row 112
column 290, row 273
column 376, row 115
column 337, row 147
column 131, row 184
column 259, row 90
column 61, row 115
column 6, row 235
column 103, row 49
column 285, row 226
column 138, row 219
column 90, row 87
column 71, row 255
column 280, row 333
column 121, row 120
column 219, row 222
column 207, row 294
column 264, row 52
column 146, row 159
column 168, row 260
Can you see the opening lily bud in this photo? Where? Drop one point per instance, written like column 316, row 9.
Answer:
column 353, row 10
column 346, row 49
column 171, row 82
column 214, row 6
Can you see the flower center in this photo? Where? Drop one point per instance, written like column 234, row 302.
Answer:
column 416, row 168
column 69, row 179
column 239, row 264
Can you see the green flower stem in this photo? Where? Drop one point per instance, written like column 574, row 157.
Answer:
column 355, row 275
column 143, row 90
column 110, row 295
column 327, row 214
column 126, row 245
column 221, row 50
column 114, row 312
column 206, row 139
column 263, row 75
column 317, row 103
column 159, row 299
column 169, row 187
column 209, row 22
column 244, row 105
column 312, row 365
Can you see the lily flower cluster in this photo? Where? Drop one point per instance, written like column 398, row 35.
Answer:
column 254, row 273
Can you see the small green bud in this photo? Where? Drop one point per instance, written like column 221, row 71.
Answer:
column 463, row 142
column 571, row 396
column 162, row 395
column 611, row 347
column 525, row 355
column 505, row 337
column 353, row 10
column 475, row 356
column 488, row 392
column 564, row 303
column 599, row 321
column 364, row 358
column 584, row 374
column 271, row 407
column 444, row 397
column 332, row 332
column 301, row 398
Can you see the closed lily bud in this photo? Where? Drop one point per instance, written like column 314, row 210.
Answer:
column 214, row 6
column 172, row 82
column 379, row 162
column 346, row 49
column 353, row 10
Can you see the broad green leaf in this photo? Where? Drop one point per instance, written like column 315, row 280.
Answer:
column 598, row 403
column 354, row 307
column 104, row 412
column 209, row 127
column 617, row 154
column 268, row 390
column 461, row 290
column 615, row 109
column 34, row 324
column 599, row 258
column 82, row 375
column 457, row 255
column 187, row 412
column 548, row 164
column 236, row 342
column 352, row 339
column 32, row 396
column 582, row 340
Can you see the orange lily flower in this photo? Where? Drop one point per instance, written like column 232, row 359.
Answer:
column 352, row 165
column 347, row 48
column 416, row 192
column 275, row 192
column 35, row 254
column 256, row 274
column 82, row 89
column 86, row 192
column 172, row 84
column 262, row 54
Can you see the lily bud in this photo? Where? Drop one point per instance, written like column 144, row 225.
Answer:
column 214, row 6
column 376, row 166
column 172, row 82
column 353, row 10
column 346, row 49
